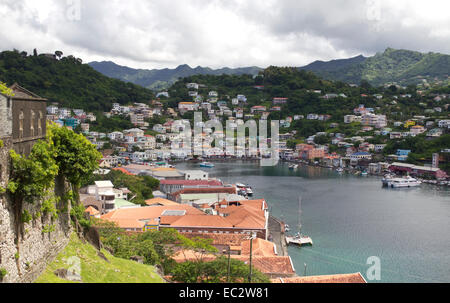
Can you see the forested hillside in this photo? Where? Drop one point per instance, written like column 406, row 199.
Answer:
column 400, row 66
column 68, row 81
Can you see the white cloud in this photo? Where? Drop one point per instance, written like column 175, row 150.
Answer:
column 217, row 33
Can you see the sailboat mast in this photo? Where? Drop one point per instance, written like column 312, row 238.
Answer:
column 300, row 214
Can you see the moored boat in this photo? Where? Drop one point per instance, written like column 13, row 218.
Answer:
column 207, row 165
column 293, row 166
column 401, row 182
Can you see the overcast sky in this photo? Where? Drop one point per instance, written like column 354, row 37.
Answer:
column 217, row 33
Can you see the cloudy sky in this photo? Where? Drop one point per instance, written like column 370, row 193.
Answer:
column 216, row 33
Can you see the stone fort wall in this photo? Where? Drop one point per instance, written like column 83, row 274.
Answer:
column 37, row 245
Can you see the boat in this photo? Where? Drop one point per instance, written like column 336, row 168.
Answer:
column 404, row 182
column 386, row 179
column 340, row 170
column 393, row 182
column 207, row 165
column 249, row 191
column 293, row 166
column 364, row 174
column 245, row 189
column 299, row 239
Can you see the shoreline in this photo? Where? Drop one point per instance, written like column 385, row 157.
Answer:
column 300, row 162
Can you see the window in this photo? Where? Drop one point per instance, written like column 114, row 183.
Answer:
column 41, row 116
column 33, row 117
column 21, row 118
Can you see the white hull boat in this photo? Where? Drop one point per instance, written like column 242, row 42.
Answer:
column 407, row 182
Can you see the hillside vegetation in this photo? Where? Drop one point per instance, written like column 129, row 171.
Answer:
column 401, row 66
column 68, row 82
column 95, row 269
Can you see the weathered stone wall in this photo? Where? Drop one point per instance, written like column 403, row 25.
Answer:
column 6, row 116
column 37, row 247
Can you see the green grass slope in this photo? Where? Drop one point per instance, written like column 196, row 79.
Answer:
column 94, row 269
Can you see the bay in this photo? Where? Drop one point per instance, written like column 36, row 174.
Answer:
column 351, row 219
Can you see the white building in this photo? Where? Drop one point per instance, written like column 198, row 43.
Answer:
column 52, row 110
column 192, row 86
column 187, row 106
column 444, row 124
column 378, row 121
column 195, row 175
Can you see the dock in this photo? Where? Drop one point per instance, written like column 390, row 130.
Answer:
column 301, row 241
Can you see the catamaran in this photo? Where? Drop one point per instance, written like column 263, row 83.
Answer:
column 299, row 238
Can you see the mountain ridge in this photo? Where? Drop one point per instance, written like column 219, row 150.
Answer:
column 157, row 79
column 399, row 66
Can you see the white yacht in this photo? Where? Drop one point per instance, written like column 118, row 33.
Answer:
column 401, row 182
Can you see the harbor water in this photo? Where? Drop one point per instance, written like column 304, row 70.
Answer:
column 352, row 218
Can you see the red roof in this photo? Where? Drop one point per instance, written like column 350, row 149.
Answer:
column 191, row 182
column 209, row 190
column 126, row 172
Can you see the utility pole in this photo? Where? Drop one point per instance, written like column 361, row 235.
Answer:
column 229, row 264
column 251, row 253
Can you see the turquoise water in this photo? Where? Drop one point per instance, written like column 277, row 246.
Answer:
column 353, row 218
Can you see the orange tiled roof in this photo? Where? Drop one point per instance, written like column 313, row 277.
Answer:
column 124, row 217
column 123, row 170
column 92, row 211
column 202, row 221
column 260, row 248
column 161, row 201
column 205, row 190
column 190, row 255
column 127, row 223
column 163, row 169
column 274, row 265
column 220, row 239
column 245, row 216
column 344, row 278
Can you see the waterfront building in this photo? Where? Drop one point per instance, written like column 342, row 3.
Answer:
column 421, row 171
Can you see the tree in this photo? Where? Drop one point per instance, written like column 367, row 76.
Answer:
column 77, row 158
column 5, row 90
column 216, row 272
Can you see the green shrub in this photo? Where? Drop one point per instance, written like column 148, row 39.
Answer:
column 3, row 273
column 26, row 217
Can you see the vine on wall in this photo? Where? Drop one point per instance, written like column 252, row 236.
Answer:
column 63, row 154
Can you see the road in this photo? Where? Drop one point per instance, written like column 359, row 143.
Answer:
column 276, row 231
